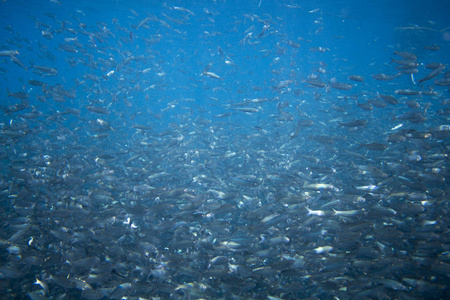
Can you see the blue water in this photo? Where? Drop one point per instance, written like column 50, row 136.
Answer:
column 190, row 125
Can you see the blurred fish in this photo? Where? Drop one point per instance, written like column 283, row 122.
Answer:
column 437, row 71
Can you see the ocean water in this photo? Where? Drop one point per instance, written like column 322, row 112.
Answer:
column 224, row 149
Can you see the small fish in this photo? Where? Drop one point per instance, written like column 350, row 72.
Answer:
column 354, row 123
column 367, row 188
column 46, row 70
column 407, row 92
column 319, row 213
column 320, row 187
column 247, row 109
column 340, row 85
column 18, row 95
column 97, row 109
column 406, row 55
column 18, row 62
column 356, row 78
column 432, row 74
column 432, row 47
column 347, row 213
column 389, row 99
column 9, row 53
column 211, row 75
column 324, row 249
column 35, row 82
column 384, row 77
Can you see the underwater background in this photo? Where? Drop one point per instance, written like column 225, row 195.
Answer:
column 224, row 149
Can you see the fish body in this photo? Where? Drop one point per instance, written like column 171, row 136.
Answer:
column 434, row 73
column 9, row 52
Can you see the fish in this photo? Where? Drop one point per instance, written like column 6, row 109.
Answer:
column 9, row 53
column 356, row 78
column 211, row 75
column 318, row 213
column 35, row 82
column 354, row 123
column 413, row 116
column 223, row 115
column 323, row 249
column 46, row 70
column 433, row 65
column 24, row 104
column 389, row 99
column 407, row 92
column 367, row 106
column 97, row 109
column 320, row 187
column 247, row 109
column 384, row 77
column 316, row 82
column 17, row 61
column 18, row 95
column 406, row 55
column 347, row 213
column 282, row 84
column 296, row 132
column 368, row 188
column 341, row 86
column 413, row 104
column 434, row 73
column 378, row 103
column 432, row 47
column 406, row 63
